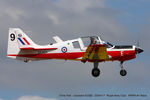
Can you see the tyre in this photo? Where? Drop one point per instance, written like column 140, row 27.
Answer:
column 123, row 72
column 95, row 72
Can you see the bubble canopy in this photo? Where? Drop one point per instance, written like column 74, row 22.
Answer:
column 89, row 40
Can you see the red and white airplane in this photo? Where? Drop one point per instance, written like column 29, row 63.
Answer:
column 84, row 49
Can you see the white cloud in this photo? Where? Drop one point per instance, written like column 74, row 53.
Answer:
column 1, row 99
column 8, row 10
column 79, row 5
column 34, row 98
column 53, row 18
column 14, row 13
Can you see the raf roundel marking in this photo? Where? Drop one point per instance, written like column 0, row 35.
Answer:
column 64, row 49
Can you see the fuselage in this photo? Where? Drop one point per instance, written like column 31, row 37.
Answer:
column 75, row 50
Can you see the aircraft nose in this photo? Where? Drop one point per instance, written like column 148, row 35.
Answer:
column 139, row 50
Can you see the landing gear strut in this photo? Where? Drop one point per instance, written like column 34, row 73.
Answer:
column 123, row 72
column 95, row 70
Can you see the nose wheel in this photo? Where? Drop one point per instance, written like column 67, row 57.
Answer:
column 123, row 72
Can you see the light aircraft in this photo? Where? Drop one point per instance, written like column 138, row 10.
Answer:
column 84, row 49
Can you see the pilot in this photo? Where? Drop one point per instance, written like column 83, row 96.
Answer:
column 93, row 40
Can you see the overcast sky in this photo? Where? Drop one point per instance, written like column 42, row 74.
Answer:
column 117, row 21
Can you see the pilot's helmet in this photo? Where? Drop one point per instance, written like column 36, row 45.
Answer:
column 93, row 40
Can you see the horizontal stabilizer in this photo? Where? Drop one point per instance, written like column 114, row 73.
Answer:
column 30, row 48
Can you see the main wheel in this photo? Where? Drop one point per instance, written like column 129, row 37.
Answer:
column 95, row 72
column 123, row 72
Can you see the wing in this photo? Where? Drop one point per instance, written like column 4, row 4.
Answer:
column 95, row 52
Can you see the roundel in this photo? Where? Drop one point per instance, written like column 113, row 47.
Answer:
column 64, row 49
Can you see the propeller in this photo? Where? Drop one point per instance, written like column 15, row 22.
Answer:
column 138, row 49
column 138, row 43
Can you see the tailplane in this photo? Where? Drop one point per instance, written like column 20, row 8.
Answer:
column 17, row 39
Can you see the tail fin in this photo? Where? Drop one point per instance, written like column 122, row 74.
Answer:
column 18, row 39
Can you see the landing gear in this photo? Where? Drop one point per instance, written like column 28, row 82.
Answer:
column 123, row 72
column 95, row 70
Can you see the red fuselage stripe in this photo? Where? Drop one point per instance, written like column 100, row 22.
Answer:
column 116, row 55
column 52, row 55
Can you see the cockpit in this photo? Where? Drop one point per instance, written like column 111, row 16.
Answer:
column 90, row 40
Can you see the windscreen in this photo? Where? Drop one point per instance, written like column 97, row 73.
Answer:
column 108, row 45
